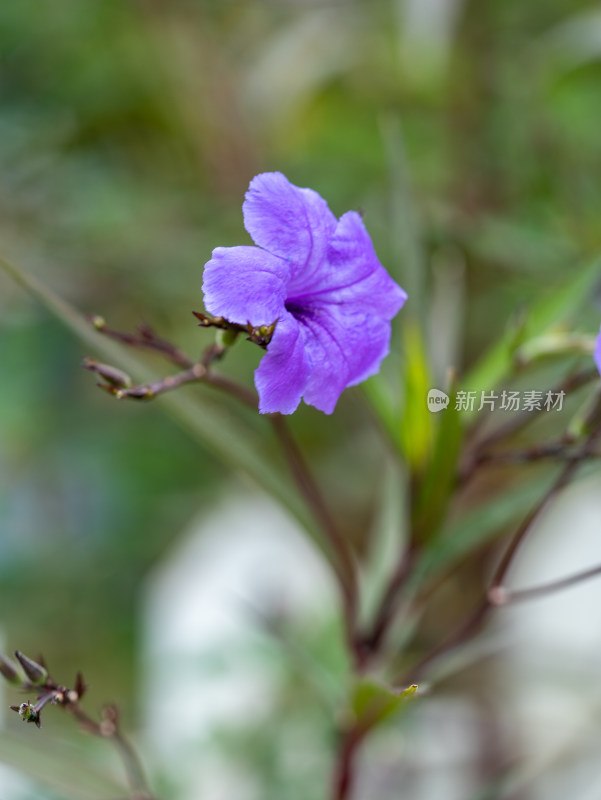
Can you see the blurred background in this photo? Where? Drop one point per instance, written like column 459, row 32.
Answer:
column 467, row 132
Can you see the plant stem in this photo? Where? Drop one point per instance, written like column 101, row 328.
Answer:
column 344, row 770
column 471, row 626
column 501, row 596
column 560, row 450
column 519, row 421
column 108, row 728
column 146, row 338
column 373, row 640
column 342, row 556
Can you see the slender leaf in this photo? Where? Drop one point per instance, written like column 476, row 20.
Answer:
column 373, row 703
column 416, row 430
column 62, row 767
column 437, row 485
column 560, row 304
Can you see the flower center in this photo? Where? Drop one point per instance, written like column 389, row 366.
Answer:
column 297, row 310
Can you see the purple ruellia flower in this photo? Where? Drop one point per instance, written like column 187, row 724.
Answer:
column 320, row 279
column 598, row 352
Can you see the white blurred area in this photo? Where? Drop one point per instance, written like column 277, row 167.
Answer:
column 552, row 672
column 203, row 642
column 237, row 561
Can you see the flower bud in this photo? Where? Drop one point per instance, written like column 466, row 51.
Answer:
column 34, row 671
column 9, row 669
column 112, row 375
column 28, row 713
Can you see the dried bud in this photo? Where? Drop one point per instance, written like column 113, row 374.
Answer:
column 34, row 671
column 28, row 713
column 112, row 375
column 80, row 686
column 9, row 669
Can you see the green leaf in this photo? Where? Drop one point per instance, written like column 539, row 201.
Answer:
column 62, row 767
column 471, row 530
column 437, row 485
column 416, row 431
column 372, row 703
column 560, row 304
column 203, row 416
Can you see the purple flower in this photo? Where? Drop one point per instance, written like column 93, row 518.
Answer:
column 598, row 352
column 320, row 279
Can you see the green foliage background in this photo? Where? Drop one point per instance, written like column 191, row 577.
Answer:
column 128, row 134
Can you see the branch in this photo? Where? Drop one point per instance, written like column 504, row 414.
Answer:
column 372, row 641
column 501, row 596
column 146, row 338
column 476, row 618
column 562, row 450
column 343, row 560
column 119, row 385
column 516, row 423
column 50, row 692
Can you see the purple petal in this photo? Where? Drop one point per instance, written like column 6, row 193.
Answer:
column 360, row 279
column 245, row 284
column 598, row 352
column 290, row 222
column 344, row 349
column 352, row 275
column 284, row 370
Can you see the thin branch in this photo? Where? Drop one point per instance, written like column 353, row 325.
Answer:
column 119, row 385
column 516, row 423
column 559, row 450
column 501, row 596
column 146, row 338
column 50, row 692
column 373, row 640
column 342, row 554
column 471, row 626
column 108, row 728
column 526, row 525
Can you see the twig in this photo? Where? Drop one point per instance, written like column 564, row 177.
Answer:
column 519, row 421
column 476, row 618
column 502, row 596
column 108, row 728
column 146, row 338
column 560, row 450
column 373, row 640
column 50, row 692
column 120, row 386
column 342, row 554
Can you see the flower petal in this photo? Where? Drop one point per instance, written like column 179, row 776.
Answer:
column 284, row 370
column 245, row 284
column 290, row 222
column 356, row 277
column 352, row 275
column 344, row 349
column 598, row 352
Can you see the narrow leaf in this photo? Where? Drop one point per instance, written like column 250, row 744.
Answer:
column 372, row 703
column 560, row 304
